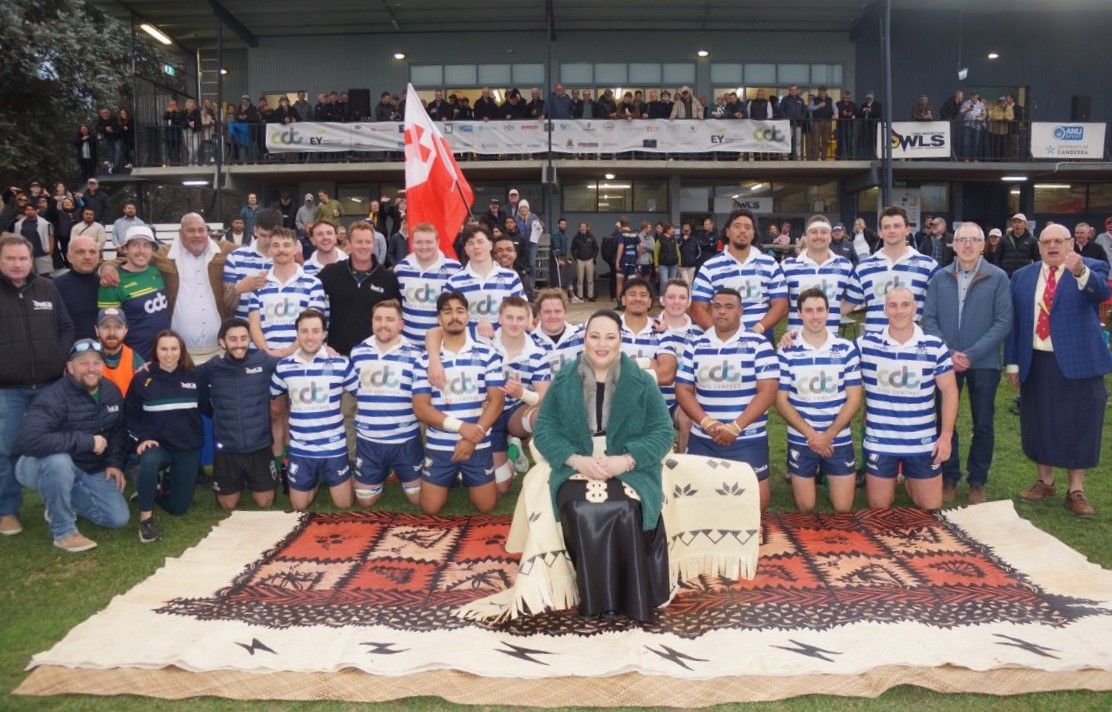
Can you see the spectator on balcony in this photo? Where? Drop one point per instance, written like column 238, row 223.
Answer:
column 560, row 105
column 191, row 130
column 627, row 109
column 343, row 108
column 869, row 114
column 1016, row 129
column 951, row 108
column 439, row 110
column 485, row 108
column 686, row 106
column 847, row 123
column 922, row 110
column 973, row 115
column 733, row 108
column 109, row 136
column 606, row 107
column 247, row 116
column 322, row 111
column 759, row 107
column 385, row 109
column 301, row 106
column 793, row 108
column 208, row 128
column 587, row 108
column 513, row 108
column 463, row 110
column 285, row 113
column 250, row 213
column 173, row 122
column 535, row 108
column 822, row 112
column 1000, row 116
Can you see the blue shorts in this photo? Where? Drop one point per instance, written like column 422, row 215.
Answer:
column 373, row 461
column 804, row 462
column 752, row 452
column 303, row 472
column 628, row 270
column 915, row 467
column 499, row 432
column 477, row 470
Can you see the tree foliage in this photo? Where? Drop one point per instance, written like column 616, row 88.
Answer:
column 61, row 59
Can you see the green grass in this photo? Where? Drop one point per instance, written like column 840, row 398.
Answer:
column 46, row 592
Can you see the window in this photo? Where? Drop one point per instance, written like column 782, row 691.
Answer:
column 725, row 74
column 679, row 73
column 355, row 198
column 460, row 75
column 649, row 74
column 429, row 75
column 580, row 197
column 615, row 196
column 934, row 198
column 793, row 74
column 612, row 74
column 760, row 73
column 868, row 201
column 1100, row 198
column 1059, row 198
column 494, row 75
column 650, row 196
column 579, row 73
column 528, row 74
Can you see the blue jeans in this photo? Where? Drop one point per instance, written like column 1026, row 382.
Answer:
column 971, row 142
column 13, row 401
column 178, row 485
column 982, row 383
column 68, row 492
column 665, row 273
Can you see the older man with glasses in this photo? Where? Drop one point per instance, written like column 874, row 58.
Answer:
column 968, row 305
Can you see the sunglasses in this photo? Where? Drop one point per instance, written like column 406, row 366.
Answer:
column 83, row 345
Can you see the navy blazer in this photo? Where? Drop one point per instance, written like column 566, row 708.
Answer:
column 1074, row 322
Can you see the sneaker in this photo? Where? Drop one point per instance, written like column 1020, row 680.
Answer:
column 75, row 543
column 949, row 492
column 9, row 525
column 576, row 300
column 1078, row 503
column 592, row 299
column 148, row 532
column 521, row 462
column 1038, row 492
column 977, row 495
column 133, row 497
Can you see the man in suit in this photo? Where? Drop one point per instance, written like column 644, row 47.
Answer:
column 1056, row 356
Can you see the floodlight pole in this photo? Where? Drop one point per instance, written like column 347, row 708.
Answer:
column 219, row 128
column 886, row 48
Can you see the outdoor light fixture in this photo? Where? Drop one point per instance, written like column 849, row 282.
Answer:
column 194, row 182
column 399, row 55
column 223, row 71
column 609, row 176
column 156, row 33
column 703, row 53
column 994, row 55
column 1013, row 179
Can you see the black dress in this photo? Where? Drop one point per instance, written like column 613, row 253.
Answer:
column 621, row 569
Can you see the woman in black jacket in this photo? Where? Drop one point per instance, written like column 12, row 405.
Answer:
column 163, row 418
column 85, row 144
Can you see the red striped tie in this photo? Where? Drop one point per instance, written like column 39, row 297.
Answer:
column 1042, row 328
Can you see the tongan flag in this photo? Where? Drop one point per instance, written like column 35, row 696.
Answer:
column 435, row 190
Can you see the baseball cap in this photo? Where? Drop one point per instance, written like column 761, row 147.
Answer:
column 110, row 313
column 839, row 226
column 308, row 196
column 82, row 345
column 139, row 232
column 1019, row 216
column 495, row 201
column 995, row 231
column 513, row 191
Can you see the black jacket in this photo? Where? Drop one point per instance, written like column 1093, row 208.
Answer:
column 352, row 301
column 162, row 405
column 79, row 294
column 99, row 202
column 236, row 395
column 1016, row 252
column 584, row 246
column 63, row 418
column 37, row 333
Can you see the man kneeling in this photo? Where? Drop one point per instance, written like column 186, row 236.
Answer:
column 72, row 445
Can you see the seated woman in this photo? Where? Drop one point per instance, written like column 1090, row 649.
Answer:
column 604, row 428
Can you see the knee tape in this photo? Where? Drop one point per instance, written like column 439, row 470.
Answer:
column 503, row 473
column 413, row 488
column 368, row 492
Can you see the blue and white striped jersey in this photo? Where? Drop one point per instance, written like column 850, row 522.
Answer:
column 678, row 338
column 420, row 289
column 832, row 276
column 816, row 379
column 725, row 375
column 383, row 390
column 485, row 294
column 244, row 262
column 566, row 349
column 529, row 366
column 875, row 275
column 646, row 343
column 759, row 279
column 313, row 266
column 469, row 374
column 899, row 381
column 279, row 305
column 314, row 386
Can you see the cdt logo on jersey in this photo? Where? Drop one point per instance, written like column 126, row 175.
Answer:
column 484, row 307
column 898, row 380
column 828, row 288
column 309, row 395
column 421, row 294
column 817, row 385
column 721, row 375
column 379, row 378
column 881, row 288
column 460, row 388
column 156, row 304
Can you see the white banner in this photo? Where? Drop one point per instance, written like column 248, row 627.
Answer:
column 917, row 139
column 526, row 137
column 1067, row 141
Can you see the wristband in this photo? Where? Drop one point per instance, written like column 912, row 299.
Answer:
column 759, row 328
column 632, row 464
column 707, row 422
column 452, row 425
column 643, row 363
column 529, row 397
column 733, row 427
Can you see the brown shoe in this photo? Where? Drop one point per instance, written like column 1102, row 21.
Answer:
column 1078, row 503
column 1038, row 492
column 976, row 495
column 949, row 492
column 75, row 543
column 9, row 525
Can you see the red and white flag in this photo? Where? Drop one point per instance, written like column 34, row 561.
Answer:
column 435, row 190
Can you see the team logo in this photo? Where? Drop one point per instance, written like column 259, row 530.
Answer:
column 817, row 382
column 903, row 378
column 379, row 378
column 421, row 294
column 156, row 304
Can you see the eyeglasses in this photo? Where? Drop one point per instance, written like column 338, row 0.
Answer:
column 966, row 240
column 1055, row 241
column 82, row 345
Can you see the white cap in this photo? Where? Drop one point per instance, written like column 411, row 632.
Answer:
column 139, row 232
column 1019, row 216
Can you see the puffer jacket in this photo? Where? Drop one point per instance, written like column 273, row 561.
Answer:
column 37, row 333
column 236, row 395
column 63, row 418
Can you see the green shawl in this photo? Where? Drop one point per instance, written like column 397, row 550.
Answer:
column 639, row 424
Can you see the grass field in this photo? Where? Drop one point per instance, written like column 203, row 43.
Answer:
column 46, row 592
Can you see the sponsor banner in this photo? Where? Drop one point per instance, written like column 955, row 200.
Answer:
column 527, row 137
column 1067, row 141
column 758, row 206
column 917, row 139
